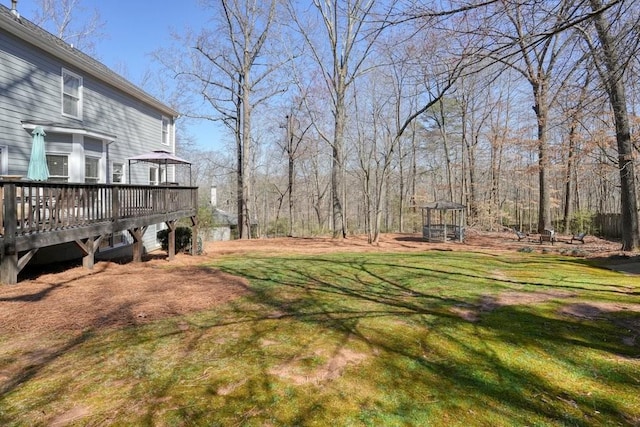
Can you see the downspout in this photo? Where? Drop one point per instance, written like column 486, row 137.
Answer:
column 108, row 163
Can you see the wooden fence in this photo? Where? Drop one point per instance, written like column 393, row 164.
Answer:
column 608, row 225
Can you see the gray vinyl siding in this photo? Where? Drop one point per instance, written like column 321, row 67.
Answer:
column 93, row 147
column 137, row 128
column 33, row 81
column 58, row 143
column 30, row 91
column 15, row 75
column 30, row 81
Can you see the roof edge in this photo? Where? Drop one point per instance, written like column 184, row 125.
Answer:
column 60, row 128
column 80, row 60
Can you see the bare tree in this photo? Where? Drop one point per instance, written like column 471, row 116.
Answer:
column 475, row 111
column 574, row 108
column 62, row 18
column 418, row 75
column 611, row 67
column 537, row 63
column 349, row 32
column 223, row 68
column 291, row 147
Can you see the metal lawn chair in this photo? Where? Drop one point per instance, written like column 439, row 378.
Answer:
column 548, row 236
column 579, row 237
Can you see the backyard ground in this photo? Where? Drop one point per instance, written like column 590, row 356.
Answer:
column 489, row 334
column 72, row 298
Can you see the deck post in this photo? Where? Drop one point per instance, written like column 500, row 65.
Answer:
column 9, row 265
column 138, row 247
column 171, row 250
column 89, row 246
column 115, row 203
column 9, row 269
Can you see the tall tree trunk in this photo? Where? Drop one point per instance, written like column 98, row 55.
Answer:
column 469, row 141
column 414, row 171
column 245, row 231
column 541, row 110
column 401, row 188
column 618, row 100
column 290, row 150
column 290, row 190
column 337, row 165
column 445, row 145
column 496, row 171
column 570, row 172
column 473, row 183
column 569, row 190
column 240, row 158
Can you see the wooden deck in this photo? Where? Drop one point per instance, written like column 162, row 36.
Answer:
column 40, row 214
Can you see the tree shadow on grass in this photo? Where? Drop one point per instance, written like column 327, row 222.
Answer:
column 508, row 386
column 422, row 355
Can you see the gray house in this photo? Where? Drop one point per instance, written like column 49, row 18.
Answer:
column 94, row 119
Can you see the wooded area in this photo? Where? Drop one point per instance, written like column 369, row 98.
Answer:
column 347, row 116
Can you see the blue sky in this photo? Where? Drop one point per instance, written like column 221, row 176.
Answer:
column 135, row 28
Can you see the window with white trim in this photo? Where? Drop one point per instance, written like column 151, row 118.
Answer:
column 154, row 176
column 166, row 131
column 58, row 165
column 117, row 173
column 4, row 160
column 91, row 170
column 71, row 94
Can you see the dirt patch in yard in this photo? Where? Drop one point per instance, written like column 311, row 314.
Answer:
column 596, row 310
column 472, row 313
column 300, row 371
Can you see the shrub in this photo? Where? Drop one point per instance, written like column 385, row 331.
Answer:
column 578, row 253
column 582, row 221
column 278, row 228
column 183, row 238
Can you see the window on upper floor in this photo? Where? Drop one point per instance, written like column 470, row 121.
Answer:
column 58, row 167
column 91, row 170
column 71, row 94
column 166, row 131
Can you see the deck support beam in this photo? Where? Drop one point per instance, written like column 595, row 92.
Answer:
column 12, row 265
column 171, row 250
column 138, row 247
column 89, row 246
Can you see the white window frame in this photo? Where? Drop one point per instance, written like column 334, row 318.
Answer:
column 97, row 177
column 154, row 175
column 4, row 160
column 113, row 173
column 66, row 72
column 58, row 178
column 165, row 124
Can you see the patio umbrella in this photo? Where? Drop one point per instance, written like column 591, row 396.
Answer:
column 38, row 170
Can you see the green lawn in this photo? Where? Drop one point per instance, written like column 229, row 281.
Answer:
column 398, row 339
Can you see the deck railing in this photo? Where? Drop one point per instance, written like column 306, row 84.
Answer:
column 30, row 207
column 34, row 215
